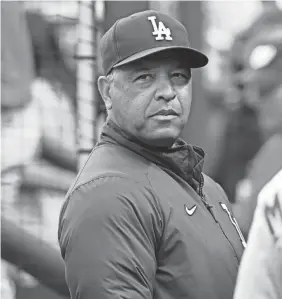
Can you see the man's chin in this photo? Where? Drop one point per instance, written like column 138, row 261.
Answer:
column 163, row 138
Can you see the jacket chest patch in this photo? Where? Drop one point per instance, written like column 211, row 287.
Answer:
column 234, row 223
column 191, row 210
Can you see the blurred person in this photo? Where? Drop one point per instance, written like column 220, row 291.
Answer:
column 18, row 123
column 45, row 177
column 8, row 288
column 50, row 41
column 46, row 121
column 54, row 91
column 41, row 117
column 20, row 129
column 241, row 128
column 17, row 70
column 54, row 88
column 141, row 219
column 263, row 92
column 260, row 272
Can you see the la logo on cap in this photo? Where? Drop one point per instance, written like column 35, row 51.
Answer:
column 162, row 30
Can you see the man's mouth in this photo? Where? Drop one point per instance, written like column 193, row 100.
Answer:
column 166, row 112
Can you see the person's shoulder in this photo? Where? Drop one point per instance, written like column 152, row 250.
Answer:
column 208, row 179
column 267, row 161
column 270, row 205
column 210, row 183
column 109, row 160
column 110, row 197
column 272, row 190
column 111, row 192
column 215, row 191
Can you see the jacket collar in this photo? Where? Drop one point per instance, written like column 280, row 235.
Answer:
column 183, row 159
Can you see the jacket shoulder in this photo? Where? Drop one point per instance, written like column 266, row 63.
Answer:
column 109, row 160
column 212, row 188
column 272, row 190
column 112, row 198
column 108, row 235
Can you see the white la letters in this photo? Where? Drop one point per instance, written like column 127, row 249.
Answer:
column 235, row 223
column 161, row 31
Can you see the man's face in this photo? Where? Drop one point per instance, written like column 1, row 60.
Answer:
column 151, row 98
column 262, row 56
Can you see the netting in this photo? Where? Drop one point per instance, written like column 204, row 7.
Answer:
column 86, row 75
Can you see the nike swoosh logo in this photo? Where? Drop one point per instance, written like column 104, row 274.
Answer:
column 190, row 211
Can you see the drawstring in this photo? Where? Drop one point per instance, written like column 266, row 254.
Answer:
column 203, row 197
column 200, row 189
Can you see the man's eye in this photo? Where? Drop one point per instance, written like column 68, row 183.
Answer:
column 144, row 77
column 179, row 76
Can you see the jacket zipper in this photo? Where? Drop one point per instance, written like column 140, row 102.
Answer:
column 210, row 209
column 203, row 197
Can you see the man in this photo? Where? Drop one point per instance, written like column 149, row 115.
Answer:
column 263, row 90
column 260, row 273
column 141, row 220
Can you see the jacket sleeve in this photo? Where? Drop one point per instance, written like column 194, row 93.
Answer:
column 260, row 271
column 108, row 236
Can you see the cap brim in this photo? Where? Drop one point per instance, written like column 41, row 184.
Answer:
column 193, row 58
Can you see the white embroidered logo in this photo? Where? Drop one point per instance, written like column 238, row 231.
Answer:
column 235, row 223
column 162, row 30
column 190, row 211
column 273, row 215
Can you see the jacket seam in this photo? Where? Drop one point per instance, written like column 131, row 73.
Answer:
column 68, row 195
column 159, row 208
column 99, row 178
column 115, row 39
column 81, row 170
column 68, row 198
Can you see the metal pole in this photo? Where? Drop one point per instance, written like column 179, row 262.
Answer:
column 34, row 256
column 86, row 81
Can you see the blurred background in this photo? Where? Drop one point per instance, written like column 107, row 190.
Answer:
column 51, row 114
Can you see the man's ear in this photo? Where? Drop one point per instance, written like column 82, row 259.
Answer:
column 104, row 89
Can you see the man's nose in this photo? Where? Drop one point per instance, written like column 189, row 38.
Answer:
column 165, row 90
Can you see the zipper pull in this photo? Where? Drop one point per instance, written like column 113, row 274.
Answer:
column 203, row 197
column 210, row 209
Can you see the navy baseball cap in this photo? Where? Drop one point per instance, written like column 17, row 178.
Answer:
column 145, row 33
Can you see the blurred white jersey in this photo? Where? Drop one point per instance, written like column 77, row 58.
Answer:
column 260, row 272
